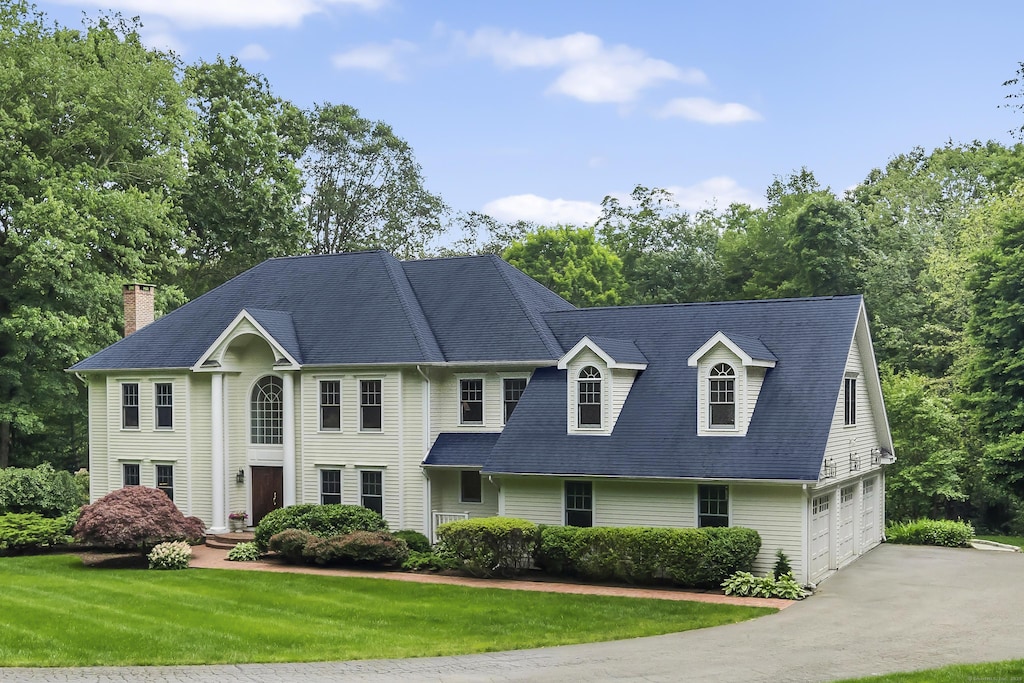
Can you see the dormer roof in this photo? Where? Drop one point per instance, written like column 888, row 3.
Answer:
column 616, row 353
column 750, row 350
column 276, row 329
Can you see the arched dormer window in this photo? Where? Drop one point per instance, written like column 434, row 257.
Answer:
column 588, row 393
column 266, row 412
column 722, row 396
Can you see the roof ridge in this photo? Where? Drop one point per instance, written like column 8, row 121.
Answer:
column 547, row 337
column 687, row 304
column 390, row 264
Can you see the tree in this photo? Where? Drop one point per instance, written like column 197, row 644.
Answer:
column 570, row 262
column 366, row 190
column 92, row 132
column 244, row 188
column 995, row 375
column 135, row 518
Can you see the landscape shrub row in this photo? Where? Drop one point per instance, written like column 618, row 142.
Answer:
column 373, row 548
column 491, row 546
column 687, row 557
column 28, row 531
column 941, row 532
column 323, row 521
column 42, row 490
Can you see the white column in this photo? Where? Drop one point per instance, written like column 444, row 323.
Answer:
column 288, row 425
column 218, row 480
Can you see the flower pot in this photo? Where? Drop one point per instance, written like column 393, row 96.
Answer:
column 236, row 524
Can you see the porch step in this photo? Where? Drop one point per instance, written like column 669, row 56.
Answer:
column 229, row 540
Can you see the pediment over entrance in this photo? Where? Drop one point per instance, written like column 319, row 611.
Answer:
column 273, row 327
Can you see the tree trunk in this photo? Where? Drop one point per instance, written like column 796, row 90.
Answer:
column 5, row 444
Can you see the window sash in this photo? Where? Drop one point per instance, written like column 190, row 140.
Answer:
column 165, row 479
column 512, row 391
column 130, row 474
column 470, row 489
column 722, row 402
column 370, row 405
column 850, row 401
column 371, row 496
column 130, row 405
column 713, row 505
column 589, row 403
column 267, row 412
column 471, row 401
column 579, row 503
column 164, row 400
column 330, row 486
column 330, row 405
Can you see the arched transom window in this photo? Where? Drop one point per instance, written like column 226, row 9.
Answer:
column 722, row 396
column 588, row 406
column 266, row 416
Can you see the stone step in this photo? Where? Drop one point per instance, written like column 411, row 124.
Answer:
column 229, row 540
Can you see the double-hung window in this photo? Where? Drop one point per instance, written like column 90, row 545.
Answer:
column 130, row 475
column 370, row 405
column 713, row 505
column 512, row 391
column 165, row 479
column 371, row 495
column 471, row 401
column 130, row 405
column 330, row 486
column 330, row 405
column 850, row 401
column 469, row 486
column 163, row 393
column 579, row 503
column 588, row 405
column 722, row 396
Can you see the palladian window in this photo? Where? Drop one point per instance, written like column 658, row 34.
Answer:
column 722, row 403
column 266, row 413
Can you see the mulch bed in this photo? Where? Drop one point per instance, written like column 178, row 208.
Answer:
column 100, row 559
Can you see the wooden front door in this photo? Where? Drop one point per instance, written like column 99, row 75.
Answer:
column 267, row 491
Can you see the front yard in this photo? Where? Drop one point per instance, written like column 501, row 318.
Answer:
column 57, row 612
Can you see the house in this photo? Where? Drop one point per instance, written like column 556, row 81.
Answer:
column 441, row 389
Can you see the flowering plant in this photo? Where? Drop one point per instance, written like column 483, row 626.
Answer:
column 240, row 515
column 171, row 555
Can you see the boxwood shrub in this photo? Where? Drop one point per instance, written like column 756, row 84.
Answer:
column 492, row 546
column 687, row 557
column 322, row 521
column 375, row 548
column 942, row 532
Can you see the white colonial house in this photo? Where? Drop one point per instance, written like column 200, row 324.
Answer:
column 442, row 389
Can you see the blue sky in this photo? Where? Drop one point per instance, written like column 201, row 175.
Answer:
column 538, row 109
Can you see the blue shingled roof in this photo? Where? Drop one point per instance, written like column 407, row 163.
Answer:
column 753, row 347
column 621, row 350
column 655, row 434
column 359, row 308
column 461, row 449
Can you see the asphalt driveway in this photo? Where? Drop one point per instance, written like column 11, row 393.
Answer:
column 898, row 608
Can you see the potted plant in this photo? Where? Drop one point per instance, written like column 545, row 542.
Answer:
column 237, row 520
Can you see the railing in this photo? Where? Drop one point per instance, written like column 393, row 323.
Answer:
column 440, row 518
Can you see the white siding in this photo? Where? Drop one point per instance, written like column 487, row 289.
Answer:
column 621, row 384
column 445, row 405
column 445, row 493
column 99, row 425
column 776, row 512
column 538, row 499
column 636, row 503
column 200, row 466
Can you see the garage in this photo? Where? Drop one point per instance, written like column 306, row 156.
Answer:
column 869, row 515
column 821, row 535
column 847, row 511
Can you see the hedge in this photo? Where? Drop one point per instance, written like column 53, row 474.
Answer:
column 323, row 521
column 30, row 531
column 42, row 489
column 376, row 548
column 687, row 557
column 492, row 546
column 941, row 532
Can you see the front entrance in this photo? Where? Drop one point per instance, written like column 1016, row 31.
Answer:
column 267, row 491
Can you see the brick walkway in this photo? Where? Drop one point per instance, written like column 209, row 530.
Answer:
column 204, row 557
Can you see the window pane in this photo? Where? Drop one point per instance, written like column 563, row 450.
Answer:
column 579, row 503
column 267, row 416
column 370, row 404
column 130, row 406
column 588, row 406
column 470, row 486
column 713, row 505
column 723, row 402
column 330, row 486
column 513, row 389
column 330, row 405
column 850, row 401
column 130, row 473
column 372, row 496
column 165, row 479
column 164, row 394
column 471, row 400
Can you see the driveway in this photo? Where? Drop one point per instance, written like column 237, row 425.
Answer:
column 898, row 608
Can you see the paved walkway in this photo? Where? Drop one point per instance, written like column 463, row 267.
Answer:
column 899, row 608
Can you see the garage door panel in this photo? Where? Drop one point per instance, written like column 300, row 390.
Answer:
column 821, row 535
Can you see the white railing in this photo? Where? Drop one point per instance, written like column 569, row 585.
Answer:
column 443, row 518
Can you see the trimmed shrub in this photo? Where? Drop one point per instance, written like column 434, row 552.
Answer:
column 941, row 532
column 173, row 555
column 40, row 489
column 29, row 531
column 134, row 518
column 429, row 562
column 244, row 552
column 81, row 479
column 323, row 521
column 492, row 546
column 290, row 544
column 688, row 557
column 416, row 541
column 377, row 548
column 782, row 564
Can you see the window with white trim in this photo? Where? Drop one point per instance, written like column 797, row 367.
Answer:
column 850, row 401
column 471, row 401
column 470, row 486
column 330, row 405
column 165, row 479
column 588, row 397
column 267, row 412
column 163, row 393
column 579, row 503
column 712, row 505
column 512, row 389
column 371, row 490
column 130, row 474
column 330, row 486
column 722, row 396
column 130, row 405
column 370, row 405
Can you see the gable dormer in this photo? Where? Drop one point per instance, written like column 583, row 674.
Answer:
column 730, row 370
column 599, row 375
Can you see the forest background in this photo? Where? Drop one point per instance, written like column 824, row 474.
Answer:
column 119, row 163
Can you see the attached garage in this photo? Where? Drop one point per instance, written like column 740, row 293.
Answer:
column 847, row 523
column 821, row 535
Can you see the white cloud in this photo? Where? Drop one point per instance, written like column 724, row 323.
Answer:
column 254, row 52
column 385, row 59
column 163, row 41
column 718, row 192
column 590, row 70
column 530, row 207
column 247, row 14
column 707, row 111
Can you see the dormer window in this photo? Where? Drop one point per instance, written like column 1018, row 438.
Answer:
column 588, row 405
column 722, row 394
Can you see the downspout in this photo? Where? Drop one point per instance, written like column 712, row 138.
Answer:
column 805, row 532
column 428, row 517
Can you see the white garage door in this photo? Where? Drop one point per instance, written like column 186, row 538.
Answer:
column 869, row 516
column 821, row 538
column 847, row 507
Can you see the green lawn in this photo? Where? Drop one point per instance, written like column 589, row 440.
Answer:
column 1012, row 670
column 56, row 612
column 1009, row 540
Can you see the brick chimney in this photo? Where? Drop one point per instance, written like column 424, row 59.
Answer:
column 138, row 307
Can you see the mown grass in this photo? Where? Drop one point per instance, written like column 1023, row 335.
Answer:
column 1009, row 540
column 1011, row 670
column 57, row 612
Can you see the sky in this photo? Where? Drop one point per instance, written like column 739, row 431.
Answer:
column 537, row 110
